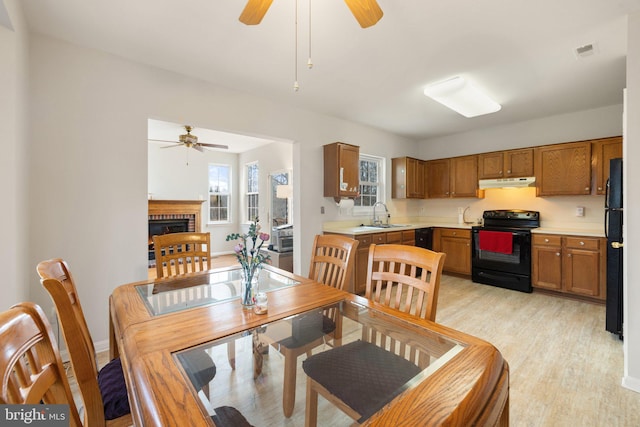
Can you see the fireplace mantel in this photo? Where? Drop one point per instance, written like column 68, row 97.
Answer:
column 177, row 207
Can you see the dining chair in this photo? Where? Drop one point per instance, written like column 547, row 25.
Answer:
column 332, row 259
column 362, row 376
column 103, row 392
column 181, row 253
column 30, row 363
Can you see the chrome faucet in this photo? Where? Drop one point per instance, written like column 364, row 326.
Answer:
column 376, row 220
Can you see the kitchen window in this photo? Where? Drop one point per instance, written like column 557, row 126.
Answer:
column 219, row 193
column 371, row 182
column 252, row 191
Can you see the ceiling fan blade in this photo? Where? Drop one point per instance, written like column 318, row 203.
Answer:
column 172, row 146
column 366, row 12
column 254, row 11
column 165, row 140
column 226, row 147
column 198, row 147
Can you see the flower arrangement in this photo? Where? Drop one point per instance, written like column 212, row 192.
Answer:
column 250, row 259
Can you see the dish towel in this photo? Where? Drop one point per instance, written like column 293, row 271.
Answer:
column 496, row 241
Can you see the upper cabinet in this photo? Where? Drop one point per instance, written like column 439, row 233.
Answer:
column 506, row 164
column 563, row 169
column 454, row 177
column 407, row 177
column 603, row 150
column 341, row 170
column 437, row 178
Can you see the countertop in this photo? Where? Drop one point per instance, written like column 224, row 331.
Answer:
column 355, row 230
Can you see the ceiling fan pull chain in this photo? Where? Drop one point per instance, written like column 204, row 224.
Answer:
column 309, row 62
column 296, row 86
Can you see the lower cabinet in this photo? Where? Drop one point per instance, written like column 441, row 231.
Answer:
column 456, row 243
column 572, row 265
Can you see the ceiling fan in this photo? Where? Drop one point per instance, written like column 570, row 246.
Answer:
column 366, row 12
column 191, row 141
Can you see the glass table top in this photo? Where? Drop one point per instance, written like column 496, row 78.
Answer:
column 251, row 374
column 181, row 293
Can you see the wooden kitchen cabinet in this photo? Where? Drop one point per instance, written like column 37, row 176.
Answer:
column 437, row 178
column 506, row 164
column 572, row 265
column 341, row 170
column 456, row 243
column 453, row 177
column 407, row 177
column 563, row 169
column 602, row 151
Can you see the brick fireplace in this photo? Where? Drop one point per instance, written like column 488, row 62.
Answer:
column 167, row 216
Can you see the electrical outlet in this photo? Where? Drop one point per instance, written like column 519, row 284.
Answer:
column 322, row 210
column 579, row 210
column 422, row 211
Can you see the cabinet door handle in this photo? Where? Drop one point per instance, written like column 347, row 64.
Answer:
column 546, row 240
column 586, row 188
column 581, row 243
column 557, row 253
column 509, row 171
column 569, row 255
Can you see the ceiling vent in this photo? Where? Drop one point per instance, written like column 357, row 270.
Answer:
column 586, row 50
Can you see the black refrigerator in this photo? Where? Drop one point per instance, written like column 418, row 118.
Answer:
column 613, row 232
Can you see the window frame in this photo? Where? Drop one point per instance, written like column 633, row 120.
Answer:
column 380, row 195
column 228, row 194
column 249, row 194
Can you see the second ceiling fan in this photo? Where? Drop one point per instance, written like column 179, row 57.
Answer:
column 366, row 12
column 191, row 141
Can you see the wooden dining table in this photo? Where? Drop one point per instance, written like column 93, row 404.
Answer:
column 154, row 322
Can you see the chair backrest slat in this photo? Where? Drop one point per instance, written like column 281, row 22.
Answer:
column 181, row 253
column 332, row 259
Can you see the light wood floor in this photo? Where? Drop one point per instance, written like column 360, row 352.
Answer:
column 565, row 369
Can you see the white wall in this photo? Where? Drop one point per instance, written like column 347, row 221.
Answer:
column 13, row 148
column 631, row 147
column 89, row 147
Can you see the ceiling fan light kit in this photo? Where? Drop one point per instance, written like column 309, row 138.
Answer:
column 462, row 97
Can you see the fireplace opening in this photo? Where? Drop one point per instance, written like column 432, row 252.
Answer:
column 164, row 226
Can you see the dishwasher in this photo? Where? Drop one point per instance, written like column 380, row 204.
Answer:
column 424, row 237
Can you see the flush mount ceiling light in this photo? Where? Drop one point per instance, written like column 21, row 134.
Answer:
column 462, row 97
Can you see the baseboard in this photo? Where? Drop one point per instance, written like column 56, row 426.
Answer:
column 101, row 346
column 631, row 383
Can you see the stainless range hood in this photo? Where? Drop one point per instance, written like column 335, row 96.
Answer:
column 529, row 181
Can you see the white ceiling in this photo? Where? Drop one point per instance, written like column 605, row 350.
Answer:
column 521, row 52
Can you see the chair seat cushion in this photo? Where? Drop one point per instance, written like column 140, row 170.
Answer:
column 230, row 417
column 308, row 328
column 199, row 367
column 361, row 374
column 113, row 390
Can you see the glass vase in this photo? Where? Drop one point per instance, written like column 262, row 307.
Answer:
column 249, row 285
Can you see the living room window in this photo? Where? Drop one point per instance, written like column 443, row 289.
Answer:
column 371, row 182
column 219, row 193
column 252, row 191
